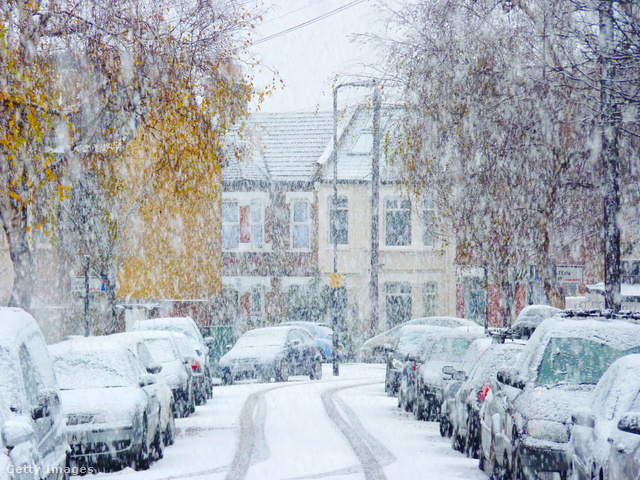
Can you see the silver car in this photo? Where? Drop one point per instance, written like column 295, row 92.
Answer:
column 113, row 413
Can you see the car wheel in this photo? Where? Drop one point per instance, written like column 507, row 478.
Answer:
column 401, row 403
column 472, row 442
column 143, row 458
column 419, row 410
column 433, row 409
column 457, row 441
column 496, row 472
column 516, row 470
column 282, row 375
column 316, row 370
column 158, row 445
column 170, row 432
column 444, row 427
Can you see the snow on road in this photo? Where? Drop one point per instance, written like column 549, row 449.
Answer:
column 342, row 427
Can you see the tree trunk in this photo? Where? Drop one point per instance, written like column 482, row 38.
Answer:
column 14, row 225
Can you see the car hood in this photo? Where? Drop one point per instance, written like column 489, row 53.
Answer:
column 103, row 405
column 555, row 403
column 264, row 353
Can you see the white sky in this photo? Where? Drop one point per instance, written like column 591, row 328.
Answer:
column 309, row 58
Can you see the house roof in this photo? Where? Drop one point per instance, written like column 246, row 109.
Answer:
column 355, row 147
column 282, row 147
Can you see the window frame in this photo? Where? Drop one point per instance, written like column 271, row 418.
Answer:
column 339, row 208
column 397, row 210
column 293, row 223
column 226, row 223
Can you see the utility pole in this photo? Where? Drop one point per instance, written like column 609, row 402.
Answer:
column 87, row 330
column 374, row 219
column 375, row 212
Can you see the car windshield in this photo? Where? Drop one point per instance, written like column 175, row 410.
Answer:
column 449, row 349
column 410, row 341
column 577, row 361
column 161, row 349
column 263, row 338
column 93, row 370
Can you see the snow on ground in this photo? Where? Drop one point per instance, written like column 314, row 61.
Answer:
column 342, row 427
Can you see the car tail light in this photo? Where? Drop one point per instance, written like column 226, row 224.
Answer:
column 483, row 392
column 415, row 366
column 195, row 366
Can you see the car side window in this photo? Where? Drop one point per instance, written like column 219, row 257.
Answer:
column 144, row 355
column 293, row 337
column 30, row 375
column 136, row 366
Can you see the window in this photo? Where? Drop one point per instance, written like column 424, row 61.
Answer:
column 428, row 223
column 398, row 303
column 398, row 223
column 257, row 301
column 230, row 225
column 257, row 224
column 32, row 381
column 429, row 299
column 300, row 224
column 339, row 221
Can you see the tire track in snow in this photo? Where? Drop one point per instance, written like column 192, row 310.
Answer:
column 370, row 452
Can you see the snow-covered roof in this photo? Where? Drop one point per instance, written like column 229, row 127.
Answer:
column 282, row 147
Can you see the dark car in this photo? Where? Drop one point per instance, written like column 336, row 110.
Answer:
column 409, row 340
column 593, row 425
column 529, row 318
column 440, row 362
column 321, row 333
column 526, row 423
column 272, row 352
column 468, row 401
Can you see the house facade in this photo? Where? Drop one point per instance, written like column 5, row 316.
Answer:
column 416, row 269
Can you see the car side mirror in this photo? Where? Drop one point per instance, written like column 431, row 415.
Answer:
column 48, row 404
column 154, row 368
column 459, row 375
column 511, row 378
column 146, row 380
column 448, row 370
column 630, row 422
column 413, row 357
column 583, row 417
column 209, row 341
column 16, row 431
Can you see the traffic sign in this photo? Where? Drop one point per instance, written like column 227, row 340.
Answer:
column 335, row 280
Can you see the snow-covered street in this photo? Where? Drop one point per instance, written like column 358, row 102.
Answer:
column 340, row 427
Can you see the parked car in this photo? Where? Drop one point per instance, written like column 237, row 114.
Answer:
column 469, row 399
column 529, row 318
column 440, row 362
column 113, row 413
column 409, row 341
column 203, row 382
column 189, row 355
column 176, row 370
column 162, row 389
column 321, row 333
column 624, row 445
column 272, row 352
column 375, row 349
column 474, row 353
column 32, row 421
column 525, row 424
column 593, row 425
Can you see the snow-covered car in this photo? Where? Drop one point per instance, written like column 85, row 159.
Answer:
column 465, row 409
column 475, row 351
column 526, row 422
column 272, row 352
column 409, row 341
column 176, row 370
column 440, row 362
column 321, row 333
column 529, row 318
column 32, row 422
column 593, row 425
column 162, row 389
column 189, row 355
column 112, row 409
column 203, row 385
column 375, row 349
column 624, row 445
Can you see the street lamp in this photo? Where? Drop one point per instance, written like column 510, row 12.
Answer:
column 375, row 180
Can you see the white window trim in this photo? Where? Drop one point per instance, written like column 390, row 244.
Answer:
column 308, row 199
column 383, row 239
column 245, row 199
